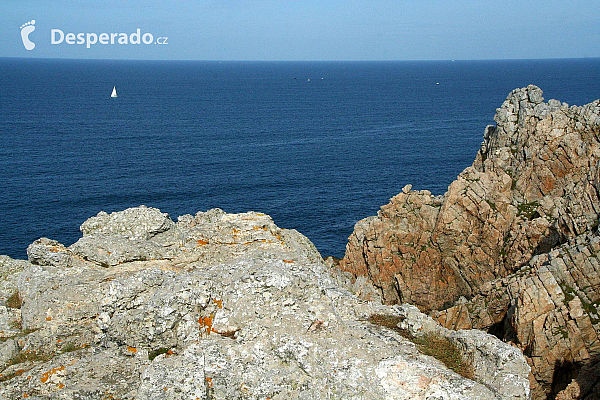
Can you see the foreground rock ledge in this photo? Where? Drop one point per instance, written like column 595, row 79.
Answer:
column 216, row 306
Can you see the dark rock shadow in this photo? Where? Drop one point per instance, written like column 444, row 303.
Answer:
column 572, row 381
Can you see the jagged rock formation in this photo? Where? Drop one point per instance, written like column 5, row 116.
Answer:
column 549, row 308
column 533, row 185
column 216, row 306
column 494, row 238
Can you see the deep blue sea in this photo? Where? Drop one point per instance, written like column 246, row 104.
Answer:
column 316, row 145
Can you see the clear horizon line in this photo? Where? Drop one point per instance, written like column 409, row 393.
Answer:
column 300, row 60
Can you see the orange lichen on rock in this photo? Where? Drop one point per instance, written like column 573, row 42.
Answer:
column 131, row 349
column 201, row 242
column 48, row 318
column 206, row 323
column 219, row 303
column 48, row 374
column 288, row 261
column 209, row 381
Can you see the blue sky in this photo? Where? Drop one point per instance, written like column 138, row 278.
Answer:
column 310, row 29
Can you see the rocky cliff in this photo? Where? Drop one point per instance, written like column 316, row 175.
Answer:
column 515, row 234
column 549, row 308
column 533, row 185
column 222, row 306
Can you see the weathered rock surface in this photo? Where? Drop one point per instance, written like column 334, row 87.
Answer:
column 10, row 318
column 496, row 364
column 135, row 223
column 549, row 308
column 220, row 306
column 533, row 185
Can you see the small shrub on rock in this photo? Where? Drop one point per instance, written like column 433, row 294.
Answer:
column 430, row 344
column 14, row 301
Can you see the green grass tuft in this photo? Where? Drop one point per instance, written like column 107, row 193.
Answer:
column 491, row 204
column 14, row 301
column 155, row 353
column 443, row 349
column 70, row 347
column 528, row 210
column 436, row 346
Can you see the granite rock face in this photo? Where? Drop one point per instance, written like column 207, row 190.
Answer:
column 533, row 185
column 549, row 309
column 511, row 247
column 217, row 306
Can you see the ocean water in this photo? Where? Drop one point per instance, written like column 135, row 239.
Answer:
column 316, row 145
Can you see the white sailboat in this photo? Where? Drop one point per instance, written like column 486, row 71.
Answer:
column 114, row 92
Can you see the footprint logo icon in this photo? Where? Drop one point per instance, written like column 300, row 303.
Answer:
column 26, row 29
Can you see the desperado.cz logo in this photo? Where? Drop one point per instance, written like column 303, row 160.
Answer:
column 26, row 29
column 57, row 36
column 89, row 39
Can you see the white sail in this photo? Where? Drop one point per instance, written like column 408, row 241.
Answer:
column 114, row 92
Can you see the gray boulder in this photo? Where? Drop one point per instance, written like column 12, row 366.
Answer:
column 136, row 223
column 111, row 250
column 46, row 251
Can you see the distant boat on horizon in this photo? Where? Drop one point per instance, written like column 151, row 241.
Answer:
column 114, row 92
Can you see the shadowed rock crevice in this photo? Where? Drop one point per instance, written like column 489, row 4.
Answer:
column 504, row 330
column 553, row 239
column 586, row 386
column 564, row 373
